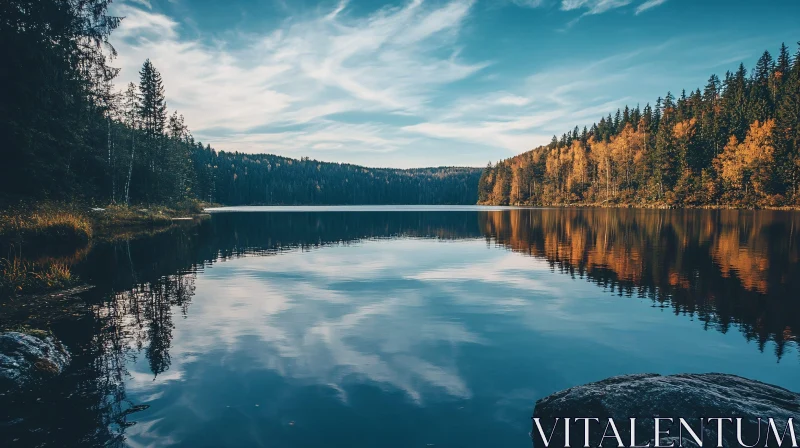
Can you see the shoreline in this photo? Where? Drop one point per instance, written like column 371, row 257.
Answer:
column 41, row 242
column 656, row 206
column 219, row 208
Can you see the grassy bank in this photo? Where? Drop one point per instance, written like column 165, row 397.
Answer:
column 119, row 216
column 37, row 240
column 48, row 224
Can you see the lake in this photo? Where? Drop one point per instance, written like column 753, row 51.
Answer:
column 409, row 327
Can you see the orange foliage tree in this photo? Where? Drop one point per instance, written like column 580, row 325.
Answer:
column 749, row 165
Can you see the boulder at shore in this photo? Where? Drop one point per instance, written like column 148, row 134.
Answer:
column 689, row 396
column 24, row 357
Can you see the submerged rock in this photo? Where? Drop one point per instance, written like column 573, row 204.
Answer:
column 693, row 397
column 27, row 356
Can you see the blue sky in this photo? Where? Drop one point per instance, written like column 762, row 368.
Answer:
column 430, row 82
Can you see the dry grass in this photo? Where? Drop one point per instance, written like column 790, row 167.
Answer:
column 44, row 225
column 20, row 276
column 42, row 241
column 57, row 224
column 114, row 216
column 123, row 216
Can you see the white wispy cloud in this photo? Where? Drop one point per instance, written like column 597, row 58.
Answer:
column 589, row 7
column 145, row 3
column 569, row 5
column 336, row 85
column 592, row 7
column 548, row 102
column 606, row 5
column 308, row 69
column 530, row 3
column 649, row 4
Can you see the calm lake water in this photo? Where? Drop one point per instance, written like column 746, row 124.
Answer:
column 419, row 327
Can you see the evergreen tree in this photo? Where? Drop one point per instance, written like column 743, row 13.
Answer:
column 153, row 114
column 54, row 99
column 788, row 129
column 780, row 75
column 760, row 98
column 484, row 184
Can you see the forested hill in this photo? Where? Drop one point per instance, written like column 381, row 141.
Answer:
column 70, row 134
column 736, row 142
column 236, row 179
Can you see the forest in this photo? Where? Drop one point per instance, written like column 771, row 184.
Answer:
column 72, row 136
column 240, row 179
column 735, row 143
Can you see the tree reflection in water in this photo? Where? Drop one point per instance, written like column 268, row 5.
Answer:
column 724, row 267
column 727, row 269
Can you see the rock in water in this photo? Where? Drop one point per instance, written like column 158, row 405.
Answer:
column 24, row 357
column 689, row 396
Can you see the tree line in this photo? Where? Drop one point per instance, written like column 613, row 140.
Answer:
column 736, row 142
column 240, row 179
column 71, row 135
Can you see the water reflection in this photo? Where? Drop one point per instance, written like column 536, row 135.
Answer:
column 400, row 329
column 727, row 267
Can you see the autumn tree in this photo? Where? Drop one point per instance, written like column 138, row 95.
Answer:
column 749, row 166
column 602, row 154
column 579, row 176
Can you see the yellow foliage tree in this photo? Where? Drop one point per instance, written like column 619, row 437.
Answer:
column 580, row 165
column 516, row 180
column 750, row 163
column 602, row 155
column 627, row 153
column 553, row 168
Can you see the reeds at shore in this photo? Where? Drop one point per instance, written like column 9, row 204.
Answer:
column 34, row 238
column 21, row 276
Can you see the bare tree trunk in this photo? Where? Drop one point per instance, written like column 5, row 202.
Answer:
column 130, row 168
column 111, row 173
column 627, row 164
column 111, row 163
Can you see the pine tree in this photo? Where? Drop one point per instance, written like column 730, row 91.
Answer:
column 735, row 103
column 760, row 99
column 484, row 184
column 780, row 75
column 153, row 104
column 55, row 97
column 788, row 129
column 177, row 157
column 153, row 113
column 712, row 135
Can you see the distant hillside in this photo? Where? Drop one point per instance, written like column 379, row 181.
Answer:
column 736, row 142
column 237, row 179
